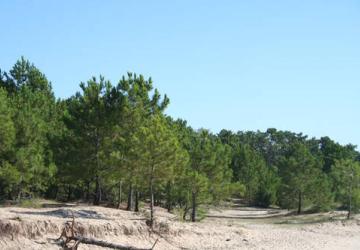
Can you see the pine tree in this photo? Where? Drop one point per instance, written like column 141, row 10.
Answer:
column 31, row 96
column 9, row 175
column 346, row 175
column 137, row 107
column 160, row 155
column 300, row 173
column 208, row 174
column 90, row 118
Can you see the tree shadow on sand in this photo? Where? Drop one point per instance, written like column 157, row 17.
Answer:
column 66, row 213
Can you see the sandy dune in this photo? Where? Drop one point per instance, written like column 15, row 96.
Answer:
column 233, row 228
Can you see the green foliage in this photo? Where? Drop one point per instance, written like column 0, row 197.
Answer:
column 111, row 141
column 237, row 189
column 250, row 167
column 301, row 175
column 159, row 151
column 30, row 203
column 208, row 175
column 9, row 179
column 332, row 152
column 346, row 176
column 32, row 126
column 323, row 198
column 7, row 128
column 268, row 186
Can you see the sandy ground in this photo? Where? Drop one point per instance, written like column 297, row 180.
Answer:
column 232, row 228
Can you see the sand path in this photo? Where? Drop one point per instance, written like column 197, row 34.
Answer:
column 231, row 228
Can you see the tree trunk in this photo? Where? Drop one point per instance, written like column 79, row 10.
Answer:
column 130, row 198
column 97, row 198
column 168, row 197
column 9, row 195
column 56, row 192
column 300, row 203
column 151, row 203
column 186, row 209
column 69, row 193
column 248, row 195
column 156, row 200
column 136, row 201
column 350, row 200
column 20, row 189
column 193, row 211
column 88, row 192
column 120, row 194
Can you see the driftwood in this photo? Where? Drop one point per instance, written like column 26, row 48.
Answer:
column 71, row 240
column 90, row 241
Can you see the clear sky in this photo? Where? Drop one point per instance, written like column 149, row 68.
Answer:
column 240, row 65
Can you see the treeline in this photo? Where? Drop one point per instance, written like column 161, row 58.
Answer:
column 113, row 143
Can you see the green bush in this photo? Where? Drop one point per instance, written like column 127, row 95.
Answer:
column 30, row 203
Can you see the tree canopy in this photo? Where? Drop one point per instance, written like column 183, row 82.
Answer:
column 113, row 139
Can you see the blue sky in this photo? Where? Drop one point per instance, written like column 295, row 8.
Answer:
column 240, row 65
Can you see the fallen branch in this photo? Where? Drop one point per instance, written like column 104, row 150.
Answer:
column 71, row 240
column 91, row 241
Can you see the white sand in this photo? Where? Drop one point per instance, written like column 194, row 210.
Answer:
column 237, row 228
